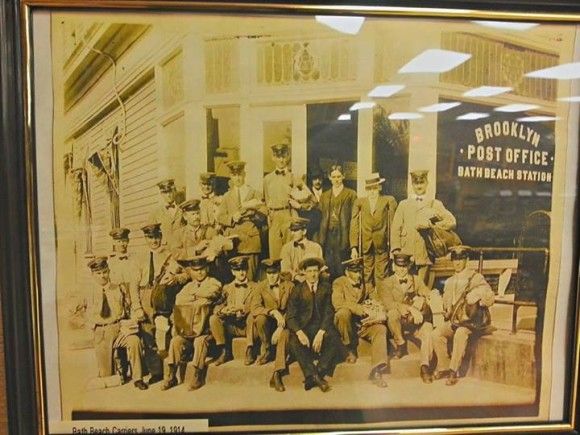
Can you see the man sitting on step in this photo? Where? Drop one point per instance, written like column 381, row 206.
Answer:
column 192, row 308
column 466, row 298
column 232, row 317
column 268, row 307
column 310, row 319
column 355, row 318
column 405, row 298
column 298, row 249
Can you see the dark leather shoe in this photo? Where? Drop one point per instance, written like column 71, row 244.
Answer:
column 154, row 379
column 250, row 358
column 350, row 357
column 426, row 374
column 197, row 382
column 169, row 383
column 141, row 385
column 441, row 375
column 265, row 357
column 316, row 381
column 400, row 352
column 222, row 358
column 276, row 382
column 376, row 377
column 452, row 379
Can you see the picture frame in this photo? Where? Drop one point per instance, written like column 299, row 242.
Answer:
column 199, row 87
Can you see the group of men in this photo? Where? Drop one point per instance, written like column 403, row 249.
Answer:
column 338, row 269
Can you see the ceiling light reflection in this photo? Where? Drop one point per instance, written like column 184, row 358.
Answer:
column 344, row 117
column 439, row 107
column 516, row 108
column 487, row 91
column 574, row 99
column 403, row 116
column 472, row 116
column 435, row 61
column 363, row 105
column 506, row 25
column 349, row 25
column 538, row 119
column 565, row 71
column 385, row 91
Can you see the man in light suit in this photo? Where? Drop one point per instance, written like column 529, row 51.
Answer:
column 168, row 213
column 240, row 213
column 336, row 208
column 413, row 214
column 298, row 249
column 210, row 202
column 354, row 319
column 370, row 229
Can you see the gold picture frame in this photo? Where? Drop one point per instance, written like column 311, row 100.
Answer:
column 112, row 98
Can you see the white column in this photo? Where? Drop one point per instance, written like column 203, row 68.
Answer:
column 364, row 153
column 299, row 151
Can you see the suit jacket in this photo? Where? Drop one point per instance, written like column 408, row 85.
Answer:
column 346, row 295
column 300, row 311
column 374, row 227
column 292, row 256
column 392, row 294
column 245, row 229
column 230, row 299
column 188, row 241
column 170, row 219
column 346, row 199
column 208, row 209
column 411, row 215
column 193, row 306
column 264, row 299
column 470, row 281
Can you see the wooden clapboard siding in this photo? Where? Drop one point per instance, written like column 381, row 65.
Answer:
column 139, row 163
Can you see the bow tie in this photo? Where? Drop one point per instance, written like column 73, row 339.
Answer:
column 273, row 286
column 419, row 198
column 280, row 171
column 299, row 245
column 167, row 207
column 123, row 257
column 243, row 285
column 403, row 281
column 357, row 285
column 206, row 197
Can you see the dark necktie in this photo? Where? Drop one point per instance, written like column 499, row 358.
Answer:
column 105, row 308
column 403, row 281
column 151, row 270
column 280, row 172
column 170, row 206
column 123, row 257
column 243, row 285
column 299, row 245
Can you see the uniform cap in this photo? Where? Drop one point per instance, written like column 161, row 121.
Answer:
column 236, row 166
column 238, row 263
column 404, row 260
column 191, row 205
column 280, row 149
column 298, row 223
column 98, row 263
column 207, row 178
column 196, row 262
column 311, row 261
column 166, row 185
column 459, row 252
column 419, row 175
column 152, row 230
column 119, row 233
column 271, row 265
column 354, row 264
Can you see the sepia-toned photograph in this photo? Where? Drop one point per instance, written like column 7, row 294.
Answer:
column 278, row 222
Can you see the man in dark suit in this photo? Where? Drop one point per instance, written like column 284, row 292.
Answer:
column 336, row 208
column 310, row 319
column 372, row 217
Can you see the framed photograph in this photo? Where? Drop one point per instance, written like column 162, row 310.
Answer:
column 268, row 217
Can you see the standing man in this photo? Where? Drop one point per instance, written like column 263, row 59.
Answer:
column 210, row 202
column 316, row 180
column 158, row 279
column 106, row 309
column 298, row 249
column 277, row 189
column 232, row 317
column 268, row 307
column 168, row 214
column 123, row 267
column 406, row 300
column 240, row 213
column 336, row 207
column 466, row 298
column 370, row 227
column 355, row 318
column 191, row 312
column 310, row 319
column 413, row 214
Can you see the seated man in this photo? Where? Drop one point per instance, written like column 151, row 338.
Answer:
column 466, row 298
column 106, row 310
column 354, row 318
column 310, row 319
column 268, row 308
column 232, row 317
column 405, row 298
column 190, row 315
column 298, row 249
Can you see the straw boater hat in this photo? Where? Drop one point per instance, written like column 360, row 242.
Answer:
column 374, row 180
